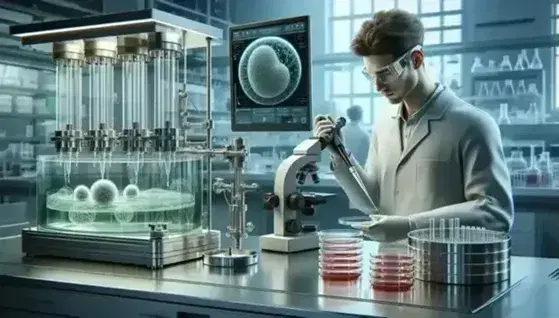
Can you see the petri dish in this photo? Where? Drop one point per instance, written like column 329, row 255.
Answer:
column 342, row 259
column 392, row 260
column 340, row 275
column 340, row 238
column 332, row 266
column 389, row 285
column 357, row 221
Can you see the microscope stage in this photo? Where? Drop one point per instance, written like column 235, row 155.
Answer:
column 289, row 244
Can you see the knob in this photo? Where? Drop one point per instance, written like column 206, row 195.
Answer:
column 296, row 201
column 309, row 228
column 271, row 201
column 308, row 211
column 293, row 227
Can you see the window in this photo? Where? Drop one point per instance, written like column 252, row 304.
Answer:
column 442, row 20
column 555, row 30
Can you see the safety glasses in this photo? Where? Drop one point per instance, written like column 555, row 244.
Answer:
column 391, row 72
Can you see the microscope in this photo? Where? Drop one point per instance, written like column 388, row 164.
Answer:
column 290, row 234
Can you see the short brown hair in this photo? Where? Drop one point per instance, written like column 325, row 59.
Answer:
column 389, row 32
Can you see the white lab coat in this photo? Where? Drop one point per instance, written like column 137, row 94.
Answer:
column 453, row 167
column 356, row 141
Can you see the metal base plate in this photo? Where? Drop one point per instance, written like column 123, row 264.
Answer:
column 157, row 251
column 289, row 244
column 231, row 258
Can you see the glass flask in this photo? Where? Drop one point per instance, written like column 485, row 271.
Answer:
column 120, row 196
column 544, row 164
column 509, row 88
column 505, row 65
column 477, row 66
column 533, row 89
column 495, row 89
column 517, row 166
column 533, row 173
column 340, row 255
column 536, row 63
column 492, row 65
column 521, row 88
column 483, row 90
column 533, row 114
column 504, row 114
column 521, row 61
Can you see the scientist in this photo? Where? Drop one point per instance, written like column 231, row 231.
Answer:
column 436, row 157
column 356, row 140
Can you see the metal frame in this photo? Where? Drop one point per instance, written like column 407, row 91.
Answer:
column 154, row 251
column 134, row 22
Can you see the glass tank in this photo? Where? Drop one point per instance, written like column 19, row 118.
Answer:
column 120, row 196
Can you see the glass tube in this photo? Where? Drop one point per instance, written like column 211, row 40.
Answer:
column 101, row 92
column 68, row 93
column 165, row 76
column 134, row 92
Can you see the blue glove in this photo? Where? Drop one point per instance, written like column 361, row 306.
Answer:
column 386, row 228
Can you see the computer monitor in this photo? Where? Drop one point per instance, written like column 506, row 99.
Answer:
column 271, row 76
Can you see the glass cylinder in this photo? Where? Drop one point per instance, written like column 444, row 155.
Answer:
column 100, row 56
column 69, row 61
column 123, row 205
column 133, row 57
column 165, row 51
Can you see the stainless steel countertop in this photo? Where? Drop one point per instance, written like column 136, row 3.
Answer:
column 283, row 284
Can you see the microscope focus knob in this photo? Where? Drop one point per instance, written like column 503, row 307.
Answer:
column 271, row 201
column 296, row 201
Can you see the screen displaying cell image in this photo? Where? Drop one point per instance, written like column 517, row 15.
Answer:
column 270, row 76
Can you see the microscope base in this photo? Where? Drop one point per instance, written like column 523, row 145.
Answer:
column 289, row 244
column 152, row 252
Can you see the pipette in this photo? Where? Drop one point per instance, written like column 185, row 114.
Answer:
column 341, row 151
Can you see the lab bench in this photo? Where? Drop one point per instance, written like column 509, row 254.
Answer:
column 280, row 285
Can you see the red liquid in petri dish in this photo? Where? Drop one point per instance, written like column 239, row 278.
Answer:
column 393, row 287
column 340, row 275
column 392, row 260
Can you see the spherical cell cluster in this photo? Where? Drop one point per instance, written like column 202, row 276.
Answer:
column 80, row 216
column 81, row 193
column 269, row 70
column 131, row 192
column 104, row 192
column 124, row 214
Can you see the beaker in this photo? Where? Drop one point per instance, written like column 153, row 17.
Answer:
column 495, row 89
column 521, row 88
column 505, row 64
column 504, row 114
column 340, row 254
column 536, row 63
column 516, row 161
column 477, row 66
column 509, row 89
column 483, row 90
column 392, row 268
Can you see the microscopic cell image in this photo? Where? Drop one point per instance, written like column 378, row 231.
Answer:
column 269, row 70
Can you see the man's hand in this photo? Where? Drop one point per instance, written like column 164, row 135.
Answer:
column 324, row 128
column 386, row 228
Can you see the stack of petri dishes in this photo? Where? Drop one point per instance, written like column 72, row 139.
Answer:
column 340, row 255
column 392, row 268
